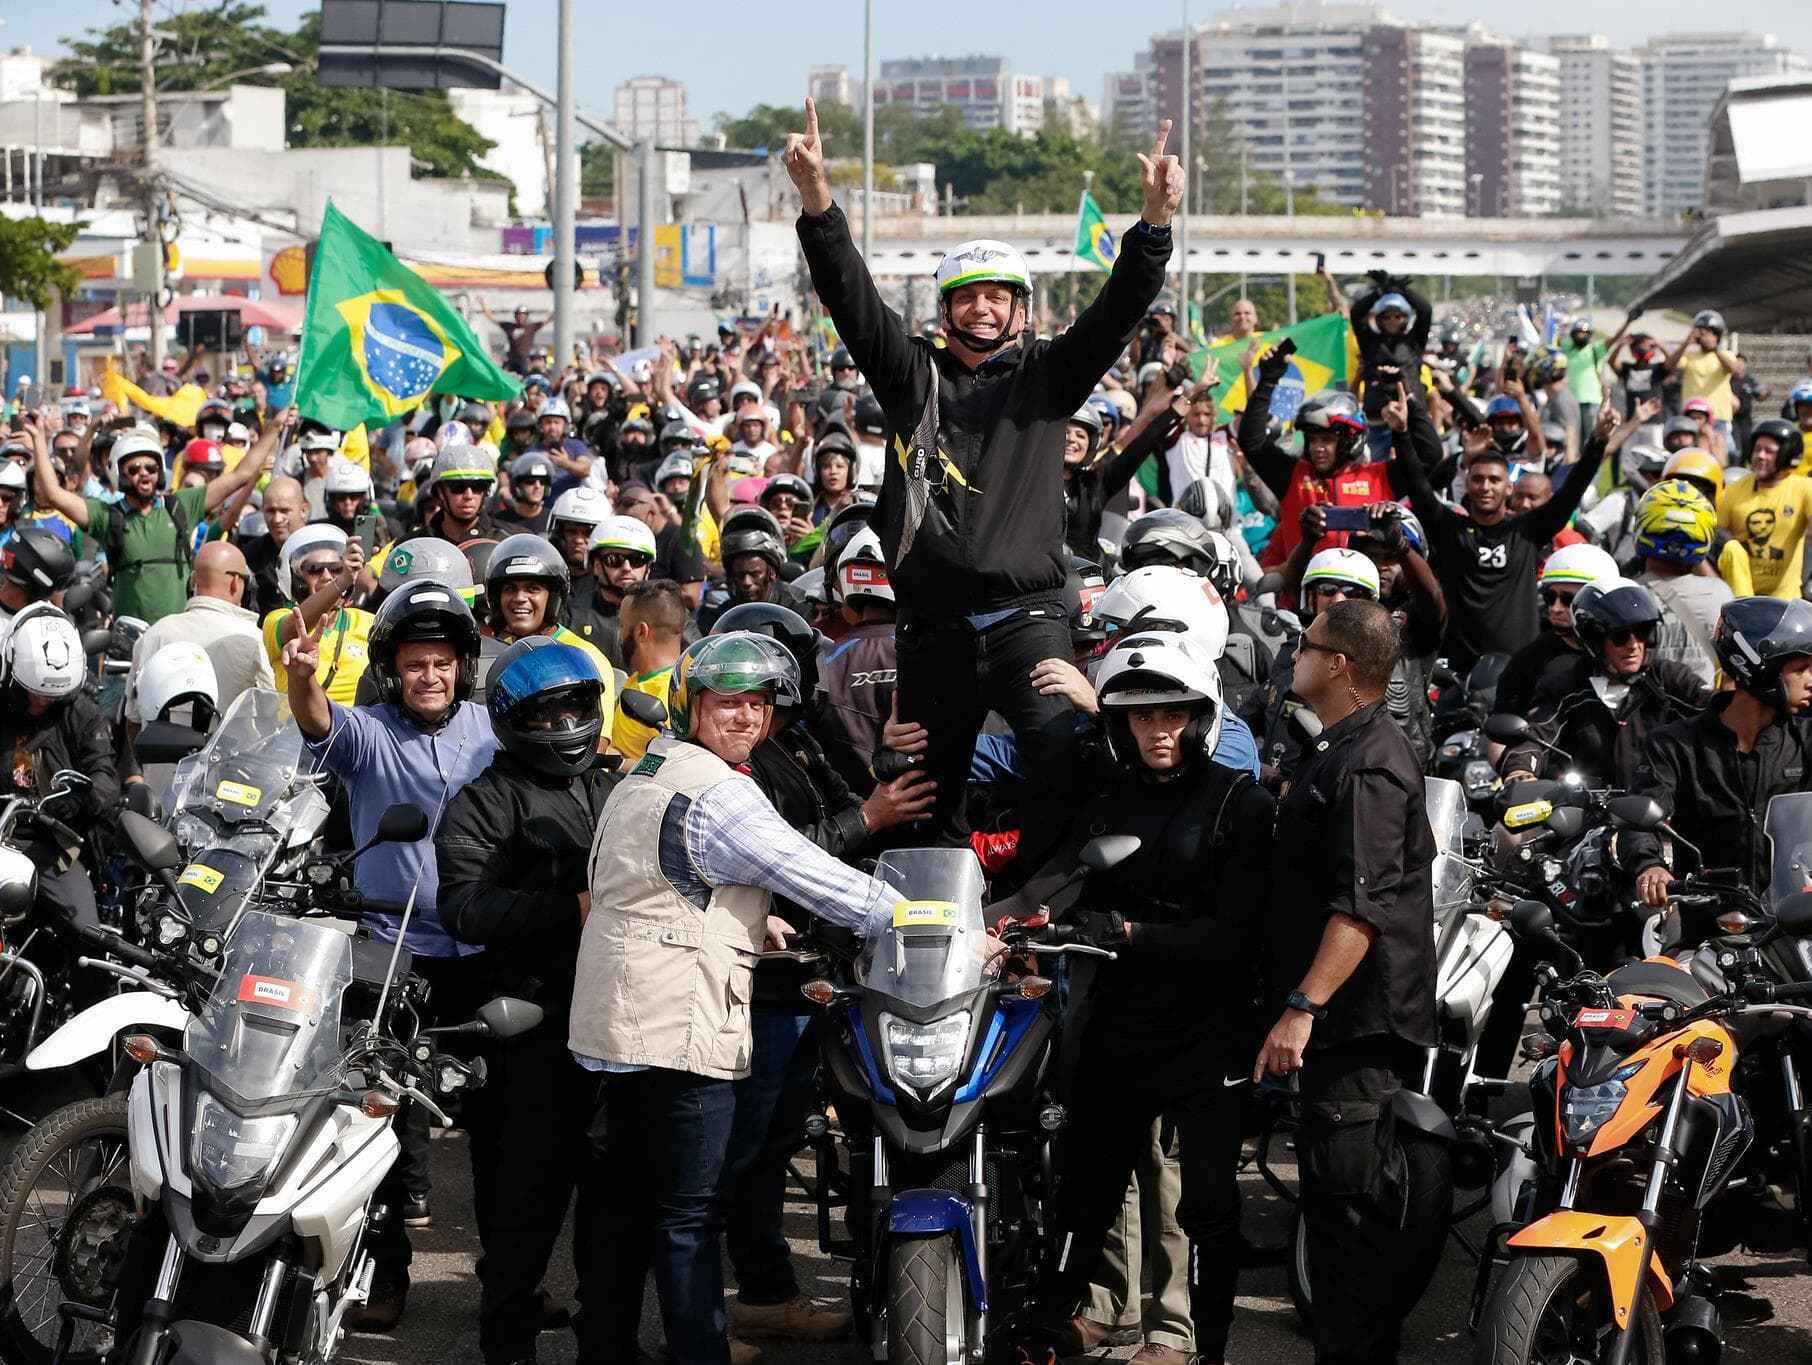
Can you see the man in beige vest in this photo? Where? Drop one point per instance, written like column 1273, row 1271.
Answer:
column 685, row 862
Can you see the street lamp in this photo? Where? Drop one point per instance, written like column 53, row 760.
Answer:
column 268, row 69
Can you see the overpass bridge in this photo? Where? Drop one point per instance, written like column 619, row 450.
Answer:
column 911, row 245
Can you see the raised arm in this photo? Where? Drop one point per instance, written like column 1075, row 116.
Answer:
column 49, row 488
column 1269, row 460
column 1550, row 519
column 256, row 462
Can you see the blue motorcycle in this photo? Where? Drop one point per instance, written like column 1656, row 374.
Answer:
column 935, row 1062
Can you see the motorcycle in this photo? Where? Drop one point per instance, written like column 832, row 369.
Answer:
column 938, row 1069
column 1637, row 1134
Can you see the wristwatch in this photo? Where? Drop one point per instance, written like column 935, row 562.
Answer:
column 1296, row 1000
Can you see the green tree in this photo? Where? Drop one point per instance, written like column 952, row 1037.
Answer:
column 204, row 45
column 29, row 269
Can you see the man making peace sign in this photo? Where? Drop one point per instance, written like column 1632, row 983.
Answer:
column 972, row 508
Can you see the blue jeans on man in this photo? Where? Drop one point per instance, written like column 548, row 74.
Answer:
column 769, row 1127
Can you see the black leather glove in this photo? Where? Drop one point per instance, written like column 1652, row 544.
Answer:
column 1273, row 367
column 1388, row 530
column 1098, row 926
column 1379, row 277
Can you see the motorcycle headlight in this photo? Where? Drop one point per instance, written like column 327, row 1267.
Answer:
column 923, row 1055
column 1479, row 779
column 1584, row 1109
column 230, row 1150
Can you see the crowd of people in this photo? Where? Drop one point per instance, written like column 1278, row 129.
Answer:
column 689, row 641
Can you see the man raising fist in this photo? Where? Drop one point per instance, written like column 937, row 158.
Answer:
column 972, row 508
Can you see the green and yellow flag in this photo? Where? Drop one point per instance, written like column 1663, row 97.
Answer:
column 1094, row 242
column 1320, row 360
column 378, row 339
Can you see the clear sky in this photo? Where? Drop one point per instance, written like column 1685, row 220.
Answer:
column 735, row 53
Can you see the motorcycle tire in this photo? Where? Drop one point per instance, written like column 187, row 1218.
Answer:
column 926, row 1320
column 1533, row 1310
column 1427, row 1217
column 39, row 1185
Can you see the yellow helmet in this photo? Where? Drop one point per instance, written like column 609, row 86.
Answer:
column 1676, row 522
column 1699, row 465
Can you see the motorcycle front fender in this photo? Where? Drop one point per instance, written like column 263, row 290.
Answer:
column 1615, row 1243
column 94, row 1029
column 935, row 1213
column 1418, row 1111
column 202, row 1343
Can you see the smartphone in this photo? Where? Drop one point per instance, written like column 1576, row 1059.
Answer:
column 1321, row 261
column 366, row 530
column 1349, row 519
column 1284, row 347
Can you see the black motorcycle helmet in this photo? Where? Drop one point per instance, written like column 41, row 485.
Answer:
column 1786, row 435
column 1083, row 584
column 1167, row 536
column 676, row 435
column 870, row 419
column 1678, row 433
column 39, row 561
column 1608, row 605
column 751, row 540
column 783, row 624
column 842, row 524
column 1339, row 413
column 547, row 706
column 1755, row 636
column 751, row 518
column 532, row 557
column 417, row 613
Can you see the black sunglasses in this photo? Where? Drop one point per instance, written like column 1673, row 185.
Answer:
column 465, row 485
column 1549, row 596
column 1304, row 642
column 616, row 559
column 1624, row 634
column 530, row 478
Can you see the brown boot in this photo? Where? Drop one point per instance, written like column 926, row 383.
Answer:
column 1151, row 1353
column 798, row 1319
column 382, row 1311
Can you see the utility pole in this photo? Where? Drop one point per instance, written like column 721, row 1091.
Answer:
column 147, row 79
column 1244, row 152
column 564, row 198
column 868, row 132
column 1185, row 65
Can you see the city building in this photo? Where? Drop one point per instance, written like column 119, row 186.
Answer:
column 655, row 107
column 1512, row 130
column 521, row 126
column 987, row 90
column 1129, row 99
column 1684, row 75
column 1600, row 126
column 832, row 85
column 1415, row 125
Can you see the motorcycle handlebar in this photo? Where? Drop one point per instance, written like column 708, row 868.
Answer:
column 115, row 946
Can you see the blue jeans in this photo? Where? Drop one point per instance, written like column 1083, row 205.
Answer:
column 768, row 1129
column 666, row 1133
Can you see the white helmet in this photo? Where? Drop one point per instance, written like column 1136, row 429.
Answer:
column 452, row 434
column 344, row 477
column 1348, row 568
column 584, row 505
column 862, row 568
column 983, row 261
column 11, row 476
column 1164, row 597
column 1577, row 564
column 1159, row 668
column 622, row 533
column 1226, row 570
column 44, row 655
column 320, row 440
column 744, row 389
column 179, row 672
column 424, row 557
column 138, row 441
column 554, row 407
column 313, row 536
column 676, row 465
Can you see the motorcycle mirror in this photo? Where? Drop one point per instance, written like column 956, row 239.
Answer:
column 1636, row 812
column 77, row 598
column 152, row 846
column 1568, row 822
column 96, row 641
column 1109, row 850
column 1505, row 728
column 508, row 1017
column 141, row 800
column 402, row 823
column 1532, row 919
column 163, row 741
column 1793, row 914
column 643, row 708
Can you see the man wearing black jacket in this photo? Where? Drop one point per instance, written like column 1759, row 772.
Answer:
column 513, row 850
column 971, row 507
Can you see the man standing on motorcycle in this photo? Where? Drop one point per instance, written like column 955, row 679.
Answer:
column 512, row 852
column 1715, row 774
column 1183, row 914
column 1352, row 941
column 687, row 860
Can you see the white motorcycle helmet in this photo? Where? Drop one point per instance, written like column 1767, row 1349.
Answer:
column 1578, row 565
column 138, row 441
column 583, row 506
column 862, row 569
column 179, row 672
column 43, row 655
column 1227, row 568
column 1347, row 568
column 344, row 477
column 1164, row 597
column 313, row 536
column 11, row 476
column 1159, row 668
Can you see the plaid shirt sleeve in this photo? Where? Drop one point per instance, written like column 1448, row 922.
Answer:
column 735, row 837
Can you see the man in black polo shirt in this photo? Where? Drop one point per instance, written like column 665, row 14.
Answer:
column 1352, row 942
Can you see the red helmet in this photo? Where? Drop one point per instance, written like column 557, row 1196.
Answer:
column 204, row 455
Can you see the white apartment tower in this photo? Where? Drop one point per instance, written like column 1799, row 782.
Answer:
column 987, row 90
column 1512, row 130
column 1129, row 99
column 1600, row 127
column 1683, row 75
column 655, row 107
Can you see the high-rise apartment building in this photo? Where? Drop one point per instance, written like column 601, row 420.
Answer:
column 1129, row 99
column 1600, row 126
column 1683, row 76
column 987, row 90
column 655, row 107
column 832, row 85
column 1512, row 130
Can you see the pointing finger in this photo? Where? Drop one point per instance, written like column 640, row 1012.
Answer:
column 811, row 119
column 1157, row 145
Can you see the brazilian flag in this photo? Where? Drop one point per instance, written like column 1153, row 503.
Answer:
column 1094, row 242
column 378, row 339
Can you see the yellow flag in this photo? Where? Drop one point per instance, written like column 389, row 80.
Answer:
column 180, row 407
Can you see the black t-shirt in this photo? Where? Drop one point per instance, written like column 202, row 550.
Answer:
column 1641, row 379
column 507, row 515
column 261, row 556
column 672, row 560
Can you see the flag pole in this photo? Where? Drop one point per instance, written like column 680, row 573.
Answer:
column 1088, row 180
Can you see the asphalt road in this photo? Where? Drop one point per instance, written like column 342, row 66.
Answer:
column 1767, row 1303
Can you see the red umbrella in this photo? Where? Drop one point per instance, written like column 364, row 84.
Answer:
column 280, row 317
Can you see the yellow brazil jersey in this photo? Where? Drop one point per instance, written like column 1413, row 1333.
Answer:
column 1771, row 524
column 629, row 736
column 344, row 652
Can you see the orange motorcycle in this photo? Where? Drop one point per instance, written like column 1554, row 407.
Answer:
column 1637, row 1131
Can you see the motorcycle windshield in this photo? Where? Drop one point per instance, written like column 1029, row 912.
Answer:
column 271, row 1026
column 1788, row 826
column 931, row 945
column 245, row 774
column 1446, row 803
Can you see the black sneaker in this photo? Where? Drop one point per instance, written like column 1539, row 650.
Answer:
column 416, row 1213
column 382, row 1311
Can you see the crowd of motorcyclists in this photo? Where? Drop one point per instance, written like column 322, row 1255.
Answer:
column 670, row 653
